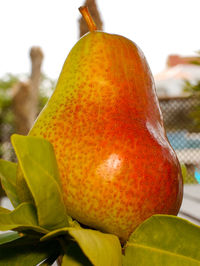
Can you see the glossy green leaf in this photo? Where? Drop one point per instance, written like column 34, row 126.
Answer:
column 61, row 231
column 101, row 249
column 94, row 244
column 27, row 252
column 8, row 237
column 24, row 217
column 55, row 233
column 74, row 256
column 38, row 163
column 164, row 240
column 8, row 172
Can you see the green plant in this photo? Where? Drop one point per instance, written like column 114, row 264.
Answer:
column 41, row 229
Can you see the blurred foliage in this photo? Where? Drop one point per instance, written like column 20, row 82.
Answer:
column 194, row 89
column 6, row 115
column 188, row 177
column 7, row 127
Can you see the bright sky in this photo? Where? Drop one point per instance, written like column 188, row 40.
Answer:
column 158, row 27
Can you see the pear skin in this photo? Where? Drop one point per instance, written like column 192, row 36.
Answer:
column 116, row 165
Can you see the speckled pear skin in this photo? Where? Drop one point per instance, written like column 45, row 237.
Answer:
column 103, row 119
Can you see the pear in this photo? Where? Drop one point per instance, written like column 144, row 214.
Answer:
column 116, row 165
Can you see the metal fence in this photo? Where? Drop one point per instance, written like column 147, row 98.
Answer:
column 182, row 122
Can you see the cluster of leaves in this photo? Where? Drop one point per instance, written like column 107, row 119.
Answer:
column 41, row 230
column 7, row 82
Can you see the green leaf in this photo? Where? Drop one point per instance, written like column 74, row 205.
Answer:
column 27, row 251
column 101, row 249
column 24, row 217
column 55, row 233
column 38, row 163
column 8, row 172
column 8, row 237
column 164, row 240
column 60, row 231
column 4, row 210
column 74, row 256
column 94, row 244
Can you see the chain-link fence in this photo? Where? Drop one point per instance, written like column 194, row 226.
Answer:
column 182, row 122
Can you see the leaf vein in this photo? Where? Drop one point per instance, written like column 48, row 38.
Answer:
column 163, row 251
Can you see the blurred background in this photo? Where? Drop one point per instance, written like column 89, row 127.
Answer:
column 36, row 37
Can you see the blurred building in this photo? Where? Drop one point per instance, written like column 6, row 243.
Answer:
column 170, row 82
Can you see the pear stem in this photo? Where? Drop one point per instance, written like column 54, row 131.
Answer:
column 88, row 18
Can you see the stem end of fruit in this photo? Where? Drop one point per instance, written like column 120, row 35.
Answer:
column 88, row 18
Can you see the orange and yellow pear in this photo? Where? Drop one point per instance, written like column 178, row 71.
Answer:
column 116, row 165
